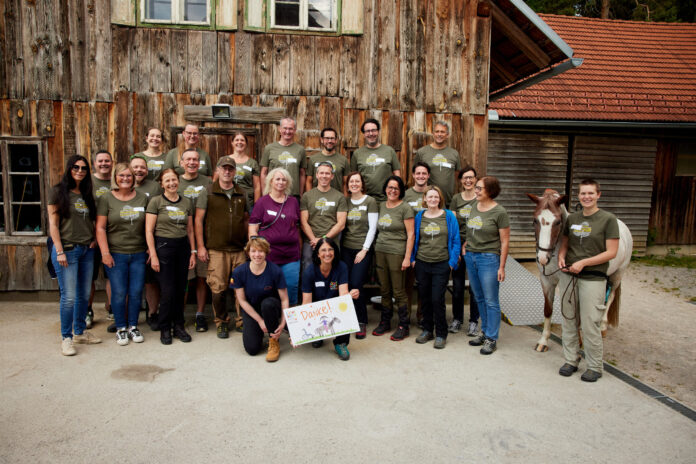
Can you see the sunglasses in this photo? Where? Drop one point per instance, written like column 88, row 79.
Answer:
column 254, row 237
column 80, row 168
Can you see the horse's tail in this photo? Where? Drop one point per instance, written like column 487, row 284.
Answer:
column 613, row 310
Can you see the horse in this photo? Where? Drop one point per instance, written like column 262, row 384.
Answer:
column 550, row 217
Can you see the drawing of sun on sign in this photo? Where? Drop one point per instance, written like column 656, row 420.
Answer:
column 321, row 320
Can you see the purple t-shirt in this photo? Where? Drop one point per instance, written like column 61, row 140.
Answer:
column 284, row 234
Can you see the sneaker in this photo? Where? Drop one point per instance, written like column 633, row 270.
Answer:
column 122, row 337
column 400, row 333
column 201, row 323
column 342, row 352
column 318, row 344
column 166, row 336
column 424, row 337
column 67, row 348
column 223, row 331
column 181, row 333
column 112, row 328
column 567, row 370
column 590, row 376
column 273, row 350
column 153, row 321
column 89, row 319
column 439, row 343
column 455, row 326
column 362, row 333
column 472, row 329
column 489, row 346
column 478, row 341
column 110, row 315
column 86, row 339
column 381, row 329
column 135, row 335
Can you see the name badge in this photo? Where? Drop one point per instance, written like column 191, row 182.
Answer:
column 413, row 204
column 576, row 227
column 158, row 162
column 330, row 203
column 362, row 208
column 172, row 208
column 379, row 160
column 247, row 168
column 202, row 163
column 139, row 208
column 198, row 189
column 291, row 160
column 447, row 165
column 272, row 213
column 319, row 284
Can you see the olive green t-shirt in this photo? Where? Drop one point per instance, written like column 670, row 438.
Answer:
column 375, row 165
column 414, row 200
column 323, row 208
column 78, row 229
column 391, row 231
column 461, row 208
column 444, row 164
column 292, row 158
column 125, row 222
column 340, row 168
column 483, row 229
column 155, row 165
column 172, row 216
column 149, row 188
column 432, row 240
column 587, row 236
column 173, row 157
column 357, row 225
column 244, row 177
column 194, row 189
column 100, row 187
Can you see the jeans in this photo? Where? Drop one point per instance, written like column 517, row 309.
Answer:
column 75, row 282
column 173, row 255
column 483, row 278
column 358, row 274
column 127, row 277
column 458, row 289
column 291, row 271
column 432, row 285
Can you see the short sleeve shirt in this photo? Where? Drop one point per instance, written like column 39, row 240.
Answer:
column 78, row 228
column 149, row 188
column 357, row 224
column 292, row 158
column 392, row 236
column 444, row 164
column 194, row 189
column 414, row 200
column 432, row 241
column 155, row 165
column 323, row 208
column 462, row 209
column 258, row 287
column 483, row 229
column 323, row 288
column 100, row 187
column 340, row 168
column 172, row 216
column 173, row 157
column 125, row 222
column 375, row 165
column 587, row 237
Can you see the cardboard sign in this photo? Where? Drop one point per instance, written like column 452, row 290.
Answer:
column 321, row 319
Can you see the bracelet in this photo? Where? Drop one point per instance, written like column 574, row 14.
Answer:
column 58, row 253
column 194, row 252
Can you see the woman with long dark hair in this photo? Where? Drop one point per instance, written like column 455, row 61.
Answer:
column 71, row 215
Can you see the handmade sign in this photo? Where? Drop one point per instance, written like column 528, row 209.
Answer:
column 321, row 319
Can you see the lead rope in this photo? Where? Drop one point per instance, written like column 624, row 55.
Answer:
column 573, row 294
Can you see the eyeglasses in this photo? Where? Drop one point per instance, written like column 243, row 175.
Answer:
column 478, row 188
column 370, row 131
column 258, row 237
column 191, row 133
column 77, row 167
column 469, row 177
column 393, row 188
column 329, row 138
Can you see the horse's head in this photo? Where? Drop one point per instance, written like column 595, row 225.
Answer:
column 548, row 222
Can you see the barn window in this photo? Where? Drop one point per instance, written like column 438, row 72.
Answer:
column 312, row 15
column 176, row 11
column 21, row 188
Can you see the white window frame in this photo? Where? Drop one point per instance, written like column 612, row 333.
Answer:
column 304, row 9
column 177, row 14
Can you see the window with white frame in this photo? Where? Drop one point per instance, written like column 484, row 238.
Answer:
column 175, row 11
column 313, row 15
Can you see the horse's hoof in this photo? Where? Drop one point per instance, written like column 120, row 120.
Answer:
column 541, row 348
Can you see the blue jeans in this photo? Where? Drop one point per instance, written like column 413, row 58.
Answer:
column 483, row 278
column 358, row 275
column 127, row 277
column 75, row 282
column 458, row 289
column 291, row 271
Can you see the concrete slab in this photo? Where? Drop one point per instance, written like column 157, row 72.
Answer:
column 392, row 402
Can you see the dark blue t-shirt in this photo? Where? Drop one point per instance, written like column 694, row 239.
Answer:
column 322, row 287
column 258, row 287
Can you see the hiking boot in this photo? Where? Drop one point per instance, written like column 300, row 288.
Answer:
column 489, row 346
column 112, row 328
column 439, row 343
column 318, row 344
column 67, row 348
column 239, row 324
column 166, row 336
column 590, row 376
column 135, row 335
column 362, row 333
column 223, row 331
column 342, row 352
column 273, row 350
column 153, row 321
column 382, row 328
column 472, row 329
column 400, row 333
column 567, row 370
column 122, row 337
column 478, row 341
column 86, row 339
column 424, row 337
column 201, row 323
column 181, row 333
column 89, row 319
column 455, row 326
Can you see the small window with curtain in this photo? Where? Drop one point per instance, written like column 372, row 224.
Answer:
column 311, row 15
column 176, row 11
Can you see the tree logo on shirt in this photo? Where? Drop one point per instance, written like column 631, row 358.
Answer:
column 439, row 160
column 385, row 221
column 192, row 191
column 81, row 207
column 582, row 230
column 321, row 205
column 373, row 160
column 354, row 215
column 101, row 191
column 475, row 223
column 176, row 215
column 432, row 229
column 129, row 214
column 286, row 158
column 154, row 165
column 464, row 211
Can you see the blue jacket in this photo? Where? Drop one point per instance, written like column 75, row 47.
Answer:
column 454, row 246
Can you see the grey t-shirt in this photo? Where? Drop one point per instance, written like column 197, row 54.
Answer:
column 323, row 208
column 483, row 229
column 391, row 230
column 461, row 208
column 125, row 222
column 587, row 237
column 432, row 239
column 444, row 164
column 292, row 158
column 375, row 165
column 172, row 216
column 357, row 224
column 340, row 168
column 194, row 189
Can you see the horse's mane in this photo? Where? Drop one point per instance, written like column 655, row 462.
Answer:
column 548, row 201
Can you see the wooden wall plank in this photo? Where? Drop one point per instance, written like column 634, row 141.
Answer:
column 281, row 63
column 123, row 129
column 262, row 65
column 167, row 111
column 99, row 50
column 4, row 51
column 243, row 62
column 388, row 55
column 19, row 118
column 6, row 270
column 195, row 61
column 479, row 59
column 14, row 53
column 141, row 70
column 351, row 49
column 209, row 69
column 98, row 126
column 161, row 60
column 302, row 65
column 69, row 130
column 225, row 62
column 32, row 45
column 79, row 70
column 44, row 118
column 55, row 151
column 408, row 52
column 330, row 114
column 179, row 61
column 327, row 66
column 457, row 46
column 432, row 57
column 121, row 46
column 83, row 143
column 370, row 67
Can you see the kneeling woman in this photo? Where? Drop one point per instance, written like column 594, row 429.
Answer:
column 327, row 277
column 435, row 252
column 260, row 288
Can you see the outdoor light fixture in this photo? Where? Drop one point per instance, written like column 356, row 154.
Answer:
column 222, row 112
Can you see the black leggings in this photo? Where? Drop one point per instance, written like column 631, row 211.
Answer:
column 270, row 310
column 174, row 255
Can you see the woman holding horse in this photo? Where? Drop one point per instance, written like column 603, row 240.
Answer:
column 590, row 240
column 487, row 243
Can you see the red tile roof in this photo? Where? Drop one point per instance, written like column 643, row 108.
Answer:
column 632, row 71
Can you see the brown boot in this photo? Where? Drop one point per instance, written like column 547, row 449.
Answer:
column 273, row 350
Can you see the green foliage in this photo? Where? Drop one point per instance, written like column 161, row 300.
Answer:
column 641, row 10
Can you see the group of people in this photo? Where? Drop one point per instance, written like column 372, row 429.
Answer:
column 168, row 221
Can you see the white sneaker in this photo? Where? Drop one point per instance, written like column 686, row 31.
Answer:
column 122, row 337
column 67, row 348
column 472, row 329
column 135, row 335
column 86, row 339
column 455, row 326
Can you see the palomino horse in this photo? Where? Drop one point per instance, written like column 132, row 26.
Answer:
column 550, row 217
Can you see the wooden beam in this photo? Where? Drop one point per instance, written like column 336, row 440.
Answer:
column 245, row 114
column 517, row 35
column 503, row 70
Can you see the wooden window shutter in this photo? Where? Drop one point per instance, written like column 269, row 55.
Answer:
column 226, row 15
column 352, row 16
column 123, row 12
column 255, row 15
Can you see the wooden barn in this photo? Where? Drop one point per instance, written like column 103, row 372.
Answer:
column 626, row 117
column 79, row 76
